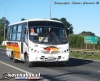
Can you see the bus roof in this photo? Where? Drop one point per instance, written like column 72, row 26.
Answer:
column 35, row 19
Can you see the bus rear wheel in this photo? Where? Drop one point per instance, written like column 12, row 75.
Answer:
column 28, row 64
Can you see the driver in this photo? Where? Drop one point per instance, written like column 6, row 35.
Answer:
column 32, row 34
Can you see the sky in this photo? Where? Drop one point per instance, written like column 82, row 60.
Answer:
column 83, row 16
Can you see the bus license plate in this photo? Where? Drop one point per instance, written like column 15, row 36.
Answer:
column 50, row 59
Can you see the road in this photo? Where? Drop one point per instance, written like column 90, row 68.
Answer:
column 75, row 70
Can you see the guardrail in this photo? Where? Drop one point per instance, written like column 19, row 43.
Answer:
column 85, row 51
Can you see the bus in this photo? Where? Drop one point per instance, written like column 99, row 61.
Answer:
column 37, row 40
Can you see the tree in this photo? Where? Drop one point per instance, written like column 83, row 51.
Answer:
column 1, row 29
column 55, row 19
column 23, row 19
column 3, row 23
column 68, row 26
column 1, row 32
column 85, row 33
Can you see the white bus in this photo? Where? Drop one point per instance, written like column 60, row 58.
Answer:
column 37, row 40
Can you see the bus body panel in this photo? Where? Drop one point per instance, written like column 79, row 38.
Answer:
column 15, row 48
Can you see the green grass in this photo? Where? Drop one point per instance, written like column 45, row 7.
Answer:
column 2, row 46
column 86, row 56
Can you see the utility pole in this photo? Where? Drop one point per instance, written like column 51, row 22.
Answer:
column 50, row 8
column 5, row 6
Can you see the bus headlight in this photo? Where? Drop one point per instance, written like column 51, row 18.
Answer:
column 31, row 49
column 34, row 51
column 64, row 51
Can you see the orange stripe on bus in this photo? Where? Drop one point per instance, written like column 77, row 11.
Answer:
column 15, row 48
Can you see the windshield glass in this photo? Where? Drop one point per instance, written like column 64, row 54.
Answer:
column 48, row 35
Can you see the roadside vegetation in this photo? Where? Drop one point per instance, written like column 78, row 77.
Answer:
column 86, row 56
column 77, row 41
column 2, row 46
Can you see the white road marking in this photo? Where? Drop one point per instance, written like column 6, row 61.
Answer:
column 14, row 67
column 98, row 71
column 21, row 70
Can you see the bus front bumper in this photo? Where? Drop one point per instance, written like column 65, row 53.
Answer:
column 48, row 57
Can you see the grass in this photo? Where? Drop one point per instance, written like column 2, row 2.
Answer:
column 86, row 56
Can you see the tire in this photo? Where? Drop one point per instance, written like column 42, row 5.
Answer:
column 28, row 64
column 11, row 57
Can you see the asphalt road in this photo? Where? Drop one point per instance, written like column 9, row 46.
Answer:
column 75, row 70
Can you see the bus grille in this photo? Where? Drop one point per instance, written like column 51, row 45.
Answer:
column 53, row 52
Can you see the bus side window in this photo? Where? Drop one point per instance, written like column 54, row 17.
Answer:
column 26, row 36
column 19, row 32
column 24, row 33
column 24, row 29
column 8, row 33
column 14, row 31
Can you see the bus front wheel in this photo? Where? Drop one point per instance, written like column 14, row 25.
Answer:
column 28, row 64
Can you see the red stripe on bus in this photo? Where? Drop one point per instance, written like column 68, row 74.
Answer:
column 16, row 45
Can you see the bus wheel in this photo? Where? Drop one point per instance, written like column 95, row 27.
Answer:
column 28, row 64
column 62, row 63
column 10, row 58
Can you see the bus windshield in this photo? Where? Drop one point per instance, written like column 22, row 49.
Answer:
column 48, row 35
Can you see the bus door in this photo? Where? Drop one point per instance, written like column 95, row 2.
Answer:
column 24, row 39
